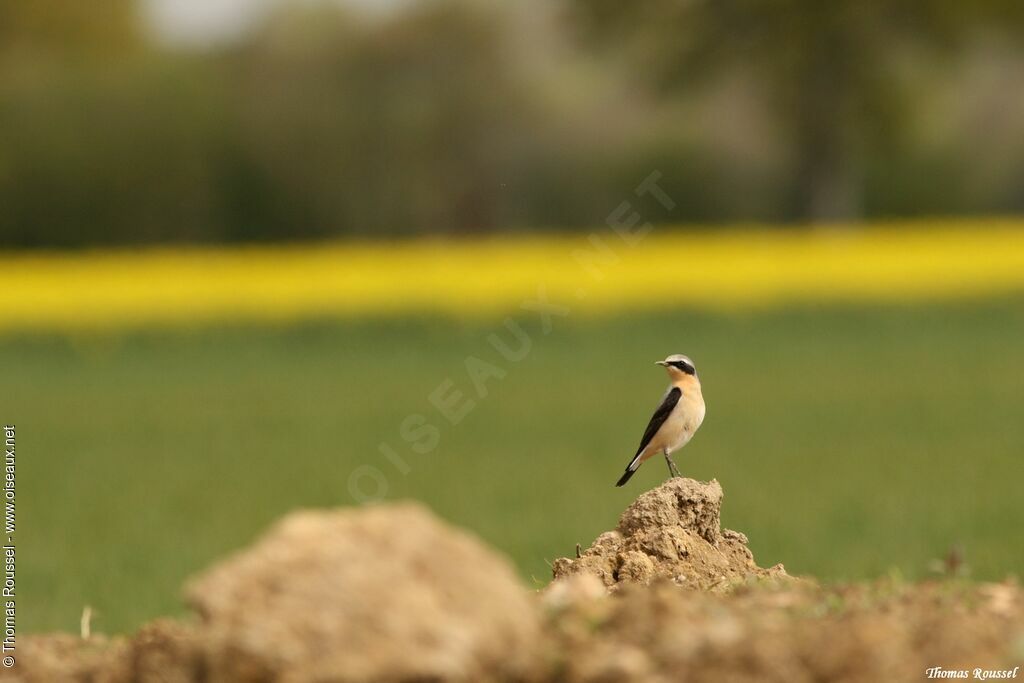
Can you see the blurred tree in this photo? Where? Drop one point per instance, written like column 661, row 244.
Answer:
column 401, row 125
column 445, row 116
column 120, row 154
column 58, row 27
column 826, row 70
column 102, row 140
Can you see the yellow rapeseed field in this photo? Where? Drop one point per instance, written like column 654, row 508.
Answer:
column 597, row 274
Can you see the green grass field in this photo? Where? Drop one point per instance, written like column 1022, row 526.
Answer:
column 849, row 441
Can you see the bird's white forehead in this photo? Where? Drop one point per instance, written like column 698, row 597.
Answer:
column 678, row 356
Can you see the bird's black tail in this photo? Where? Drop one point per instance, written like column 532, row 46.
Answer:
column 625, row 477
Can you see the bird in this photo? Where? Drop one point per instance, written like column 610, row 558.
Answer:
column 677, row 418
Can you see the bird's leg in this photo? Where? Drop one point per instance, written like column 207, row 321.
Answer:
column 672, row 469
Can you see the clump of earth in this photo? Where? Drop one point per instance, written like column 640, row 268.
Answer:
column 673, row 532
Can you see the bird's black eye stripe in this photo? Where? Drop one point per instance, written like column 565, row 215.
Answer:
column 684, row 366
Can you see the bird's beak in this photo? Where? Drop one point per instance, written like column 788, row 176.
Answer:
column 661, row 363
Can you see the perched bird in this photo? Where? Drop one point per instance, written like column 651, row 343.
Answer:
column 676, row 419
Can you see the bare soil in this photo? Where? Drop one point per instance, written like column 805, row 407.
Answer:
column 673, row 532
column 392, row 593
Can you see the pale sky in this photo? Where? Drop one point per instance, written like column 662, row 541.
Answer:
column 199, row 22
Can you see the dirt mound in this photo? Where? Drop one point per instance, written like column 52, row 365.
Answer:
column 789, row 631
column 786, row 631
column 163, row 651
column 64, row 657
column 380, row 594
column 166, row 651
column 392, row 594
column 672, row 532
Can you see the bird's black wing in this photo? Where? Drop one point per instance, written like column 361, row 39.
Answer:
column 659, row 417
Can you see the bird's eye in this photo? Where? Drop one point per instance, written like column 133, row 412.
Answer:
column 683, row 366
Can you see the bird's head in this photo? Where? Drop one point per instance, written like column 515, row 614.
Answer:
column 678, row 365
